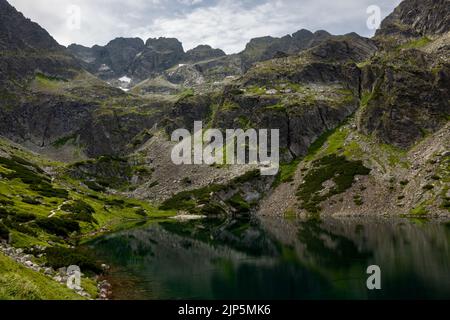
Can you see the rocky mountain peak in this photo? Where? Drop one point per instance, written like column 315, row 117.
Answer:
column 303, row 35
column 203, row 52
column 165, row 44
column 18, row 32
column 136, row 43
column 417, row 18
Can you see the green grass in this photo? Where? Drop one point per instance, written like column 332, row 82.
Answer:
column 277, row 107
column 287, row 172
column 61, row 142
column 416, row 44
column 187, row 93
column 318, row 144
column 45, row 82
column 420, row 210
column 20, row 283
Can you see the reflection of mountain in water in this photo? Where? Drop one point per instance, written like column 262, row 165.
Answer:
column 279, row 259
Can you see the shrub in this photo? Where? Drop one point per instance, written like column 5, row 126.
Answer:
column 29, row 200
column 63, row 257
column 81, row 211
column 11, row 224
column 46, row 190
column 141, row 212
column 332, row 167
column 186, row 181
column 94, row 186
column 4, row 232
column 58, row 226
column 239, row 203
column 118, row 203
column 212, row 208
column 78, row 206
column 189, row 200
column 23, row 217
column 3, row 213
column 153, row 184
column 5, row 202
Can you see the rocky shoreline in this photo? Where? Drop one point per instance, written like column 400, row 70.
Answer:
column 61, row 276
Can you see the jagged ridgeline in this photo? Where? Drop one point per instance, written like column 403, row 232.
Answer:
column 364, row 128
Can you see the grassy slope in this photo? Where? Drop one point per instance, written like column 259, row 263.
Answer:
column 111, row 212
column 20, row 283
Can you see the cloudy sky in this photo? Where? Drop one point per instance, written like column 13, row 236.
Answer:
column 225, row 24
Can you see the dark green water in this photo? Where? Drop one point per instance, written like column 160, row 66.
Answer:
column 278, row 259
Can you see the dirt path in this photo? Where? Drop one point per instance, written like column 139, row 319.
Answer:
column 55, row 211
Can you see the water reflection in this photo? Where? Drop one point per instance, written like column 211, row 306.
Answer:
column 271, row 258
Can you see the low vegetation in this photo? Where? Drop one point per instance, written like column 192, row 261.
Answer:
column 337, row 169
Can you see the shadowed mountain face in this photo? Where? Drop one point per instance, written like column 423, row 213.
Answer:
column 26, row 47
column 130, row 57
column 18, row 32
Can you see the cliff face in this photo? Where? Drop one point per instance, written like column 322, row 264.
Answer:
column 132, row 58
column 391, row 91
column 405, row 86
column 27, row 48
column 414, row 18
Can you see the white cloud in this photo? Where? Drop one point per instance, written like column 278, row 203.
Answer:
column 225, row 24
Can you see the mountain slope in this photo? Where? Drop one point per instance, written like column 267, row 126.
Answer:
column 26, row 48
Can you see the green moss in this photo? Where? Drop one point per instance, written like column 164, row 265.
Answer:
column 187, row 93
column 61, row 142
column 416, row 44
column 229, row 106
column 420, row 210
column 358, row 200
column 277, row 107
column 332, row 167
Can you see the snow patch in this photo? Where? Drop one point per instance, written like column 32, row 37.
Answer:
column 125, row 79
column 104, row 67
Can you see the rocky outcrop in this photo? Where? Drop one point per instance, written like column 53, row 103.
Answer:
column 405, row 87
column 265, row 48
column 415, row 18
column 404, row 98
column 202, row 53
column 112, row 60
